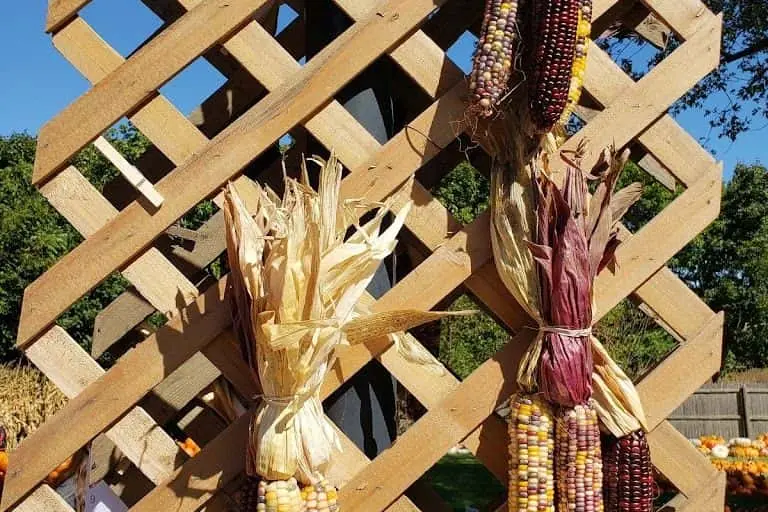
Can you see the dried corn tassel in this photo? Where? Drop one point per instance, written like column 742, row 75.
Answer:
column 320, row 497
column 628, row 480
column 494, row 56
column 553, row 27
column 583, row 30
column 578, row 464
column 531, row 455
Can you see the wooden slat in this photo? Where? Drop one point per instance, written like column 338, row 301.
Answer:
column 230, row 151
column 136, row 81
column 682, row 372
column 132, row 377
column 673, row 147
column 652, row 95
column 44, row 498
column 685, row 17
column 152, row 274
column 61, row 11
column 665, row 234
column 710, row 498
column 684, row 465
column 136, row 434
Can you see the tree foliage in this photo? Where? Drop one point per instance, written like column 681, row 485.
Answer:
column 734, row 97
column 33, row 236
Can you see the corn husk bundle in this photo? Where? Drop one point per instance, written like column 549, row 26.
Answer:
column 296, row 282
column 548, row 246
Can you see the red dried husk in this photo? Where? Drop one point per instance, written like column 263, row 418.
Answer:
column 570, row 249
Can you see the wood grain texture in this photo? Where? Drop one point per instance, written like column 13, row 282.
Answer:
column 136, row 434
column 112, row 394
column 134, row 228
column 61, row 11
column 685, row 17
column 652, row 95
column 44, row 498
column 136, row 81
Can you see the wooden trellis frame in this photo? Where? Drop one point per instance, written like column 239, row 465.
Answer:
column 197, row 334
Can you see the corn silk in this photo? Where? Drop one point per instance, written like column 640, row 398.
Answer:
column 296, row 284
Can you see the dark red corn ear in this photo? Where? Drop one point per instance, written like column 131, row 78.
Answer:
column 553, row 27
column 628, row 484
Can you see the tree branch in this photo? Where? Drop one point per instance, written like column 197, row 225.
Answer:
column 759, row 46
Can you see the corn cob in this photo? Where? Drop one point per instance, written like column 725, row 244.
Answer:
column 494, row 55
column 579, row 68
column 579, row 471
column 275, row 496
column 531, row 455
column 553, row 28
column 320, row 497
column 628, row 481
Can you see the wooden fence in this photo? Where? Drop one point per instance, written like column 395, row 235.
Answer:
column 729, row 410
column 268, row 94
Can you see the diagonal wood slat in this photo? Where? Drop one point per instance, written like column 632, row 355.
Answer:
column 462, row 254
column 134, row 228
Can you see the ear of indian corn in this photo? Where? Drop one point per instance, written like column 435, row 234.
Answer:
column 553, row 26
column 531, row 455
column 578, row 463
column 494, row 56
column 274, row 496
column 628, row 483
column 320, row 497
column 579, row 68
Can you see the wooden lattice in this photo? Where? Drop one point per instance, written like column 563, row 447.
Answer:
column 196, row 345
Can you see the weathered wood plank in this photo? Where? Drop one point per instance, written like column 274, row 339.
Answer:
column 135, row 228
column 136, row 434
column 61, row 11
column 652, row 95
column 685, row 17
column 136, row 81
column 127, row 382
column 44, row 498
column 699, row 206
column 682, row 372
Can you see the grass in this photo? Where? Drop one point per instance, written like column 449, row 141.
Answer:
column 463, row 482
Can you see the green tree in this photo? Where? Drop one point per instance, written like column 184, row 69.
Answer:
column 734, row 97
column 728, row 266
column 33, row 236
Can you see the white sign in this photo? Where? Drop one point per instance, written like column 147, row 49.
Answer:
column 102, row 499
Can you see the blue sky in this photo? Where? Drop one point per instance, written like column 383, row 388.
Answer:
column 36, row 82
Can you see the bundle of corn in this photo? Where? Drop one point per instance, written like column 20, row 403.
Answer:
column 296, row 283
column 558, row 32
column 573, row 239
column 494, row 56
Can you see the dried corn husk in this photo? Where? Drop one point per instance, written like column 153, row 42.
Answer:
column 513, row 223
column 296, row 288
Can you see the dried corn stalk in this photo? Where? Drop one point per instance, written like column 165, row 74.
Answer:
column 296, row 285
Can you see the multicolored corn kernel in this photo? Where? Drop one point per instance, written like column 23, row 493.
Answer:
column 580, row 59
column 628, row 484
column 553, row 26
column 275, row 496
column 578, row 463
column 321, row 497
column 531, row 455
column 494, row 56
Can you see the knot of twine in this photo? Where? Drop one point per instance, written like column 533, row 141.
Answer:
column 569, row 333
column 283, row 401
